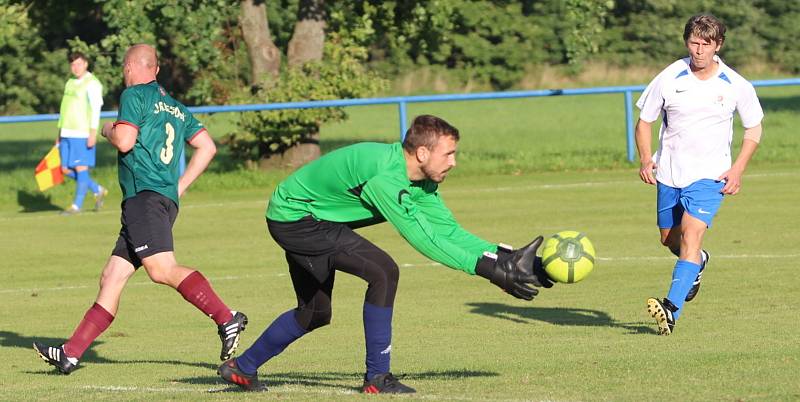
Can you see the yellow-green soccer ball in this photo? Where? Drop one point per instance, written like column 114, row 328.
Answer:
column 568, row 256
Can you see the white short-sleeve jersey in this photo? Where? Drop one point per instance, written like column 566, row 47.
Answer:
column 697, row 120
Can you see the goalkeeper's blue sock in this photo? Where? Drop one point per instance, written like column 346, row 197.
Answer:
column 83, row 186
column 378, row 339
column 282, row 332
column 682, row 279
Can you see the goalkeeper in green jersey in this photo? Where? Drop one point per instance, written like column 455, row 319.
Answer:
column 312, row 214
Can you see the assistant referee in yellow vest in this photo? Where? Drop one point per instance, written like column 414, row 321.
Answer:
column 77, row 131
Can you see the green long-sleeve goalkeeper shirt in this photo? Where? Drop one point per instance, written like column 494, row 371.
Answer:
column 367, row 183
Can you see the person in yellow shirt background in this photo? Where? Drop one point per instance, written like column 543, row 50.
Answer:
column 77, row 131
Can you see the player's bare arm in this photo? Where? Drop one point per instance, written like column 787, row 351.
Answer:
column 643, row 144
column 121, row 136
column 733, row 176
column 91, row 141
column 204, row 151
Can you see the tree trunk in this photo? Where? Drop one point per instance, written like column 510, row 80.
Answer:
column 308, row 37
column 265, row 58
column 306, row 45
column 295, row 156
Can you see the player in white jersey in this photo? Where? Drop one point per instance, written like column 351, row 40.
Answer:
column 696, row 98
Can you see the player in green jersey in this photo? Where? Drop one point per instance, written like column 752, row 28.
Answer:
column 150, row 132
column 312, row 214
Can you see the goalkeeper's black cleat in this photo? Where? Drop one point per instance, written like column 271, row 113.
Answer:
column 704, row 256
column 231, row 373
column 55, row 357
column 386, row 383
column 229, row 334
column 662, row 312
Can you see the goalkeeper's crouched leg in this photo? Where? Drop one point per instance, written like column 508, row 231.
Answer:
column 310, row 319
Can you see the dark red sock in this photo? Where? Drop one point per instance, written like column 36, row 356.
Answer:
column 196, row 290
column 95, row 321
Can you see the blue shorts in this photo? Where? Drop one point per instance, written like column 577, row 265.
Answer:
column 700, row 199
column 74, row 152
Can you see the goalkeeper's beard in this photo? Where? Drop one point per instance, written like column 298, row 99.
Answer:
column 436, row 177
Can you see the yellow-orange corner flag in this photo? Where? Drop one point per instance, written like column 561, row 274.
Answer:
column 48, row 171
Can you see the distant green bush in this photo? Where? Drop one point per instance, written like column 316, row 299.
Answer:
column 32, row 77
column 341, row 74
column 479, row 43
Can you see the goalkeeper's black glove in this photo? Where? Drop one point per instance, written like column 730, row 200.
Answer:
column 514, row 271
column 504, row 251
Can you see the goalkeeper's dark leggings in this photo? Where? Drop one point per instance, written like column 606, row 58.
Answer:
column 313, row 273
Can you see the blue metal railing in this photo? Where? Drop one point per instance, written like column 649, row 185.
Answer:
column 403, row 101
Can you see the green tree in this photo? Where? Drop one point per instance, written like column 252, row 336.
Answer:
column 196, row 41
column 321, row 66
column 492, row 41
column 781, row 32
column 32, row 77
column 486, row 41
column 584, row 23
column 205, row 55
column 651, row 32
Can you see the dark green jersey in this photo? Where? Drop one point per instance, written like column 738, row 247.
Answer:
column 367, row 183
column 164, row 125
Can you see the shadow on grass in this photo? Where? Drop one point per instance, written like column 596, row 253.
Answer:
column 15, row 340
column 224, row 161
column 35, row 202
column 18, row 154
column 331, row 144
column 780, row 104
column 332, row 380
column 558, row 316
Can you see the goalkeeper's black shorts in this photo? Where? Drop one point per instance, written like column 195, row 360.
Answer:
column 313, row 243
column 314, row 248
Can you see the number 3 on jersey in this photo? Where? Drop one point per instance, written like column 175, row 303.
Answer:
column 167, row 151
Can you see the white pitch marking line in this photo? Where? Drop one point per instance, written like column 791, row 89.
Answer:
column 405, row 265
column 283, row 389
column 732, row 257
column 53, row 215
column 143, row 283
column 585, row 184
column 120, row 388
column 727, row 257
column 507, row 188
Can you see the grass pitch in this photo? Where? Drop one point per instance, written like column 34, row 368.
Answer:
column 525, row 168
column 456, row 337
